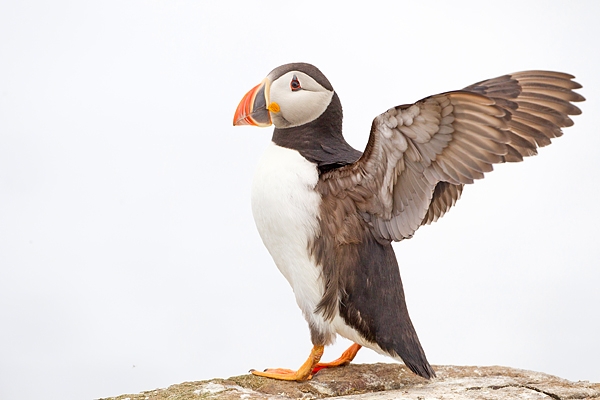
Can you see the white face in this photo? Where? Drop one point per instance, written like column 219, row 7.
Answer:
column 300, row 98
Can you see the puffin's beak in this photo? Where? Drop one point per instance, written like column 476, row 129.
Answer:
column 252, row 110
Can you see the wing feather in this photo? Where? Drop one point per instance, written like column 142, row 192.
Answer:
column 420, row 156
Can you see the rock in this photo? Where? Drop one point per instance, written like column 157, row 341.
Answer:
column 382, row 382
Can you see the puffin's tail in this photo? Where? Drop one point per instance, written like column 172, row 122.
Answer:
column 413, row 356
column 372, row 302
column 399, row 339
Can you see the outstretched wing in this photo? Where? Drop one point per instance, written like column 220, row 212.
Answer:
column 420, row 156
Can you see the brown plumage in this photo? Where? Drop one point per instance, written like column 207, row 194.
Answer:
column 419, row 156
column 413, row 170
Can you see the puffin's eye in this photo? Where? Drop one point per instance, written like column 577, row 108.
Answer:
column 295, row 84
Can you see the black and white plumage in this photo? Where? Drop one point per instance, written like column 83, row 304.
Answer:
column 328, row 213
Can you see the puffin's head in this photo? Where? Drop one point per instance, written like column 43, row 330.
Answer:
column 291, row 95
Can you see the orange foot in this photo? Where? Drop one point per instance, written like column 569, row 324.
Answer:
column 304, row 373
column 344, row 359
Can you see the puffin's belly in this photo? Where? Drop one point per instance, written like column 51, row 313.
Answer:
column 285, row 206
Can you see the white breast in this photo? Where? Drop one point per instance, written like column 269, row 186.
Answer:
column 285, row 207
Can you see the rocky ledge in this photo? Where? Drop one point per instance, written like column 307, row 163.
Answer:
column 382, row 382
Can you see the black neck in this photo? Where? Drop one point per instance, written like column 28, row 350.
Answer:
column 320, row 141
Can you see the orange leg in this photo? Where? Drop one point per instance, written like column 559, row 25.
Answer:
column 304, row 373
column 344, row 359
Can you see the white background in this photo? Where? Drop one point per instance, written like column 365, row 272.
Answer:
column 129, row 259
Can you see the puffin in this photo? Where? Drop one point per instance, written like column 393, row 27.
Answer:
column 328, row 213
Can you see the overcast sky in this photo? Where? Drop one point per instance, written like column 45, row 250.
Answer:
column 129, row 259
